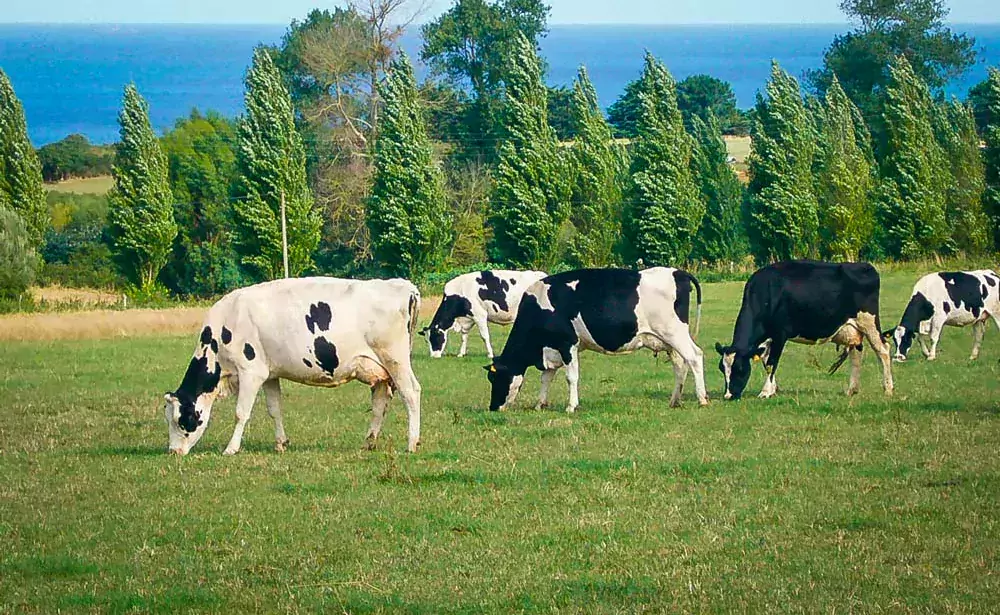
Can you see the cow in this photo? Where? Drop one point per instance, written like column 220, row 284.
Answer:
column 953, row 298
column 316, row 331
column 611, row 311
column 477, row 299
column 807, row 302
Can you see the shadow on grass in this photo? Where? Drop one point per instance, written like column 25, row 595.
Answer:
column 174, row 600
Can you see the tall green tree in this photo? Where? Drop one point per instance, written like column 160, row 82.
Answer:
column 470, row 44
column 140, row 205
column 991, row 200
column 599, row 166
column 271, row 164
column 955, row 129
column 912, row 202
column 530, row 201
column 781, row 208
column 721, row 237
column 21, row 188
column 201, row 158
column 883, row 30
column 696, row 95
column 665, row 206
column 845, row 178
column 17, row 256
column 407, row 212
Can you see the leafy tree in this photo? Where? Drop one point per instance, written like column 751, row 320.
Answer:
column 845, row 178
column 696, row 95
column 885, row 29
column 407, row 212
column 624, row 112
column 666, row 208
column 911, row 208
column 597, row 183
column 561, row 113
column 140, row 215
column 469, row 190
column 781, row 206
column 532, row 188
column 21, row 188
column 17, row 256
column 991, row 200
column 470, row 44
column 722, row 237
column 955, row 129
column 74, row 156
column 270, row 163
column 978, row 99
column 201, row 158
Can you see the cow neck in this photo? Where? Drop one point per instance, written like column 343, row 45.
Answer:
column 748, row 333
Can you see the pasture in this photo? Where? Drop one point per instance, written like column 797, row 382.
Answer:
column 83, row 185
column 809, row 502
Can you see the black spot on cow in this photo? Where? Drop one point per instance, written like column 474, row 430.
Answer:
column 991, row 280
column 248, row 352
column 206, row 336
column 308, row 363
column 493, row 289
column 452, row 307
column 227, row 335
column 947, row 307
column 198, row 380
column 326, row 355
column 963, row 289
column 215, row 346
column 319, row 317
column 513, row 282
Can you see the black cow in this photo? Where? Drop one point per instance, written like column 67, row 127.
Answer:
column 611, row 311
column 807, row 302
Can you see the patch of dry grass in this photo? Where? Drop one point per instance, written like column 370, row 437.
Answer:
column 77, row 296
column 85, row 185
column 100, row 324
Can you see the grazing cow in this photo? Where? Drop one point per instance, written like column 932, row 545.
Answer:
column 807, row 302
column 477, row 299
column 316, row 331
column 953, row 298
column 611, row 311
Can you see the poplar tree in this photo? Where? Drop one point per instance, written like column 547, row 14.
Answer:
column 140, row 205
column 597, row 184
column 845, row 178
column 722, row 237
column 991, row 200
column 666, row 208
column 910, row 210
column 407, row 210
column 532, row 193
column 955, row 127
column 21, row 188
column 271, row 162
column 781, row 209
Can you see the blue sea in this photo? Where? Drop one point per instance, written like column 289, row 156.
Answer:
column 70, row 77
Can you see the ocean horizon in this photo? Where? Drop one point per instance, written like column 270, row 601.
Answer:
column 70, row 76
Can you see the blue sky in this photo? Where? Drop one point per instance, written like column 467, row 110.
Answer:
column 563, row 11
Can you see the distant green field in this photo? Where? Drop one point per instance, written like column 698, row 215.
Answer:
column 89, row 185
column 809, row 502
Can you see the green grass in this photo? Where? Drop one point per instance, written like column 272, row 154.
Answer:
column 809, row 502
column 87, row 185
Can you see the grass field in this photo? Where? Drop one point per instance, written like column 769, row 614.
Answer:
column 809, row 502
column 87, row 185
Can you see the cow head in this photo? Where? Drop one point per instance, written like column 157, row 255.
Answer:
column 735, row 368
column 505, row 385
column 903, row 337
column 437, row 338
column 186, row 420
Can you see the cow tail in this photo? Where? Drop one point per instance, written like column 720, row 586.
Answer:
column 697, row 318
column 414, row 312
column 840, row 360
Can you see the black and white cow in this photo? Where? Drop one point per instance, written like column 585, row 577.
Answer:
column 807, row 302
column 316, row 331
column 477, row 299
column 953, row 298
column 611, row 311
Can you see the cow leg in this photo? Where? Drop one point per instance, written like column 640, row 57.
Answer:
column 978, row 330
column 405, row 382
column 680, row 375
column 272, row 395
column 249, row 386
column 869, row 328
column 771, row 368
column 923, row 344
column 855, row 383
column 573, row 379
column 463, row 326
column 381, row 396
column 484, row 332
column 543, row 393
column 936, row 327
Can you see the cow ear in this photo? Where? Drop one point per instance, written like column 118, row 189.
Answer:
column 719, row 348
column 887, row 335
column 422, row 332
column 168, row 396
column 492, row 368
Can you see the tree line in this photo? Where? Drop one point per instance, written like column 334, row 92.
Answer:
column 483, row 163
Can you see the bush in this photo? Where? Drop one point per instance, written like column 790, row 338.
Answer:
column 18, row 260
column 74, row 156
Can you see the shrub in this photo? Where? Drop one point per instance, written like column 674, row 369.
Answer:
column 18, row 260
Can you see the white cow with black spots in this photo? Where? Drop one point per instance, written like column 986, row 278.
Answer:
column 476, row 299
column 948, row 298
column 316, row 331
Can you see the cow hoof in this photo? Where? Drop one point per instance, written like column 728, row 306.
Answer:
column 230, row 451
column 281, row 445
column 570, row 409
column 370, row 444
column 703, row 402
column 540, row 406
column 675, row 403
column 852, row 392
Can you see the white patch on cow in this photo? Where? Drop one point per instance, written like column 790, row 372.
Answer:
column 515, row 388
column 727, row 370
column 573, row 284
column 551, row 358
column 540, row 291
column 587, row 341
